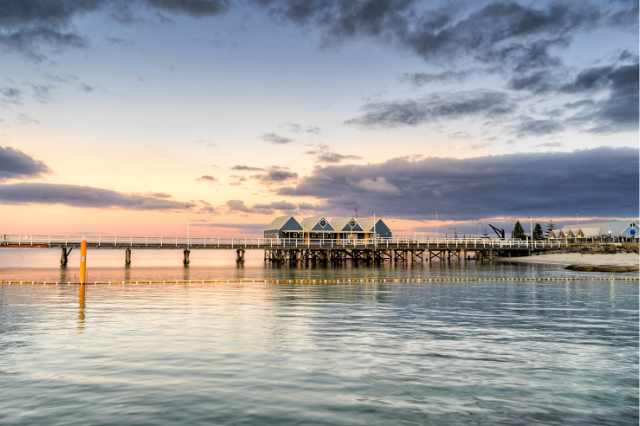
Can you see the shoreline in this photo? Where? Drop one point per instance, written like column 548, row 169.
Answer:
column 575, row 258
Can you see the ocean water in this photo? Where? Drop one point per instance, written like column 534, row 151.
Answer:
column 559, row 352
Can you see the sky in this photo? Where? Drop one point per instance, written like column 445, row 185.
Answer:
column 117, row 115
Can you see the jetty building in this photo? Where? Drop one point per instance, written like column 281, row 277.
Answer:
column 321, row 228
column 620, row 230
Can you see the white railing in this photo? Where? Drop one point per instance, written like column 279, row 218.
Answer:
column 215, row 242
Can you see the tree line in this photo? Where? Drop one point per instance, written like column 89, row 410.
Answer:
column 519, row 234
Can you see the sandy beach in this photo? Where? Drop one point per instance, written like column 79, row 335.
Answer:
column 577, row 258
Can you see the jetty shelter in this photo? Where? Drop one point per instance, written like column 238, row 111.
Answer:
column 369, row 226
column 347, row 228
column 319, row 227
column 619, row 230
column 283, row 227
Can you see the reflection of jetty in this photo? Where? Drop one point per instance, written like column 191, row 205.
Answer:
column 293, row 250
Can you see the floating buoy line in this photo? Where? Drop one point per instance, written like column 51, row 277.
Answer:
column 342, row 281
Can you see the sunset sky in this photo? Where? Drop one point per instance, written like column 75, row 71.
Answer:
column 116, row 115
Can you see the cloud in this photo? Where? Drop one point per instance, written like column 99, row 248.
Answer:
column 440, row 106
column 10, row 95
column 15, row 164
column 549, row 145
column 270, row 208
column 538, row 82
column 276, row 174
column 421, row 78
column 159, row 195
column 207, row 178
column 380, row 185
column 619, row 111
column 251, row 228
column 86, row 88
column 81, row 196
column 25, row 120
column 324, row 155
column 538, row 127
column 506, row 33
column 42, row 92
column 28, row 26
column 602, row 181
column 116, row 41
column 247, row 168
column 275, row 139
column 297, row 128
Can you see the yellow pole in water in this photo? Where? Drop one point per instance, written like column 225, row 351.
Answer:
column 83, row 262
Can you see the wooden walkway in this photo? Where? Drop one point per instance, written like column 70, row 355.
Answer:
column 396, row 249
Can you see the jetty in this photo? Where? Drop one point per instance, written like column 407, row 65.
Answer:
column 294, row 250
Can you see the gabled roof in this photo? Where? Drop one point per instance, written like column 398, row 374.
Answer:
column 367, row 224
column 590, row 232
column 603, row 228
column 279, row 222
column 315, row 224
column 345, row 224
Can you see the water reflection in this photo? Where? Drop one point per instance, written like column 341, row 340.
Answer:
column 81, row 306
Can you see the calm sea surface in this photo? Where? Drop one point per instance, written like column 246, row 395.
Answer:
column 438, row 353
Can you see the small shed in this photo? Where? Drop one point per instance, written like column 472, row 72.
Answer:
column 283, row 227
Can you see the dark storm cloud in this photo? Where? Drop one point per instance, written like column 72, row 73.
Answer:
column 491, row 32
column 276, row 174
column 275, row 139
column 81, row 196
column 602, row 181
column 15, row 164
column 618, row 112
column 435, row 107
column 239, row 206
column 196, row 8
column 26, row 26
column 495, row 32
column 538, row 82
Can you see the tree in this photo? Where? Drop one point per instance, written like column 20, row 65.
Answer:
column 518, row 232
column 537, row 232
column 550, row 227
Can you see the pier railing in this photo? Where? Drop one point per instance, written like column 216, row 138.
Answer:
column 255, row 243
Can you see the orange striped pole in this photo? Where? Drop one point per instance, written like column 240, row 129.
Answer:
column 83, row 262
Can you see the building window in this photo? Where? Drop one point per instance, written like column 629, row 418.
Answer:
column 323, row 223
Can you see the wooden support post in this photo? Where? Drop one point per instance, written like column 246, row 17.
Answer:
column 127, row 257
column 185, row 260
column 65, row 256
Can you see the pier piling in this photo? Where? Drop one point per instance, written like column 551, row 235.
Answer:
column 127, row 257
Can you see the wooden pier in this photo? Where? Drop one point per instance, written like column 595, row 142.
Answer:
column 294, row 250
